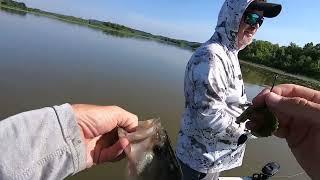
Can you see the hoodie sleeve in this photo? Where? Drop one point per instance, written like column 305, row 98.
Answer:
column 41, row 144
column 209, row 89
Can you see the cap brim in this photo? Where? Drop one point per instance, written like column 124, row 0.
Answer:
column 270, row 10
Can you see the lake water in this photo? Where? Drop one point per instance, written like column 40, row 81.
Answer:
column 46, row 62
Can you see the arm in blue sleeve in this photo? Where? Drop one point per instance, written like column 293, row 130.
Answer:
column 41, row 144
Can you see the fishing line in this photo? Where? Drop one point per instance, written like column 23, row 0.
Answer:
column 274, row 177
column 289, row 177
column 250, row 168
column 274, row 81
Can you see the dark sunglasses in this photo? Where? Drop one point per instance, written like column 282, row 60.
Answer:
column 252, row 18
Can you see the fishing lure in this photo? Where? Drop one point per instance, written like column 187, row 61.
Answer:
column 270, row 123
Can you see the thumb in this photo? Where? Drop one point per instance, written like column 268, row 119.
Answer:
column 293, row 106
column 113, row 152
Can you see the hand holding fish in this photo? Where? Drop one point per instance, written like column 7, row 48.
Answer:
column 99, row 126
column 150, row 154
column 298, row 111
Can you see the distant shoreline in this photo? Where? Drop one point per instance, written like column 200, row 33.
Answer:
column 108, row 27
column 129, row 32
column 295, row 79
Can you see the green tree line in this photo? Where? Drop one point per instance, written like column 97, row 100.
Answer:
column 292, row 59
column 107, row 27
column 11, row 3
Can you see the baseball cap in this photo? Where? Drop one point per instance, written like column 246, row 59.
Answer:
column 270, row 10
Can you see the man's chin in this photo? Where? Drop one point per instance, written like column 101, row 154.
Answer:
column 245, row 42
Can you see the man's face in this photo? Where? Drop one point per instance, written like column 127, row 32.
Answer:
column 246, row 31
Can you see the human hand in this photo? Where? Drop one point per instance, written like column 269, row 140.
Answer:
column 298, row 111
column 98, row 125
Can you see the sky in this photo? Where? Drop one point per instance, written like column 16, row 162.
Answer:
column 192, row 20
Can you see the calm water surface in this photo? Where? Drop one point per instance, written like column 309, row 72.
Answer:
column 46, row 62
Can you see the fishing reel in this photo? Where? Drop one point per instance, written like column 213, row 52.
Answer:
column 268, row 171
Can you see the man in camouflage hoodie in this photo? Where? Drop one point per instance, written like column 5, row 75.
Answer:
column 214, row 92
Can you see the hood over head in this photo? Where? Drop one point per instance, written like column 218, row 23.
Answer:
column 230, row 17
column 229, row 20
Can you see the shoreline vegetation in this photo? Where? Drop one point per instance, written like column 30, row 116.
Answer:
column 107, row 27
column 300, row 64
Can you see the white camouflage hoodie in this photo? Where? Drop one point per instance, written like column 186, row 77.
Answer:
column 214, row 90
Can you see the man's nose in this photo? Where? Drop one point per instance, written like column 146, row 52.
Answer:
column 256, row 26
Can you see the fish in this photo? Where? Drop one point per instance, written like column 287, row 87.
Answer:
column 149, row 153
column 269, row 125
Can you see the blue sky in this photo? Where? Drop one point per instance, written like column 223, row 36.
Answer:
column 193, row 20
